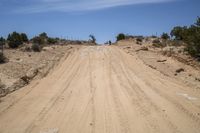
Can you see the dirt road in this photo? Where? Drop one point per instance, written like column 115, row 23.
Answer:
column 102, row 90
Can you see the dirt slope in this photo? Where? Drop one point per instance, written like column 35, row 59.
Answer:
column 102, row 90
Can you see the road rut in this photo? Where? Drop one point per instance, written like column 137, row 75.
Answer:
column 102, row 89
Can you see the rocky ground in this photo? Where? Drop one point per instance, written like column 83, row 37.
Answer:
column 22, row 67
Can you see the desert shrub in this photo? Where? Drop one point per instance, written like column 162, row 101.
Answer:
column 2, row 43
column 191, row 36
column 38, row 40
column 157, row 43
column 52, row 40
column 165, row 36
column 14, row 40
column 36, row 47
column 92, row 38
column 27, row 49
column 43, row 35
column 139, row 39
column 2, row 86
column 120, row 36
column 24, row 37
column 179, row 32
column 2, row 58
column 153, row 36
column 193, row 40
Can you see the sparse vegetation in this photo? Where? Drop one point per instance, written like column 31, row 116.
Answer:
column 165, row 36
column 36, row 47
column 120, row 36
column 51, row 40
column 24, row 37
column 38, row 40
column 157, row 43
column 14, row 40
column 191, row 36
column 2, row 58
column 92, row 38
column 139, row 39
column 2, row 43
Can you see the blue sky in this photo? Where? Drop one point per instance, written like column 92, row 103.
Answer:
column 76, row 19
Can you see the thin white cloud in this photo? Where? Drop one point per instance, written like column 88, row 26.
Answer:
column 79, row 5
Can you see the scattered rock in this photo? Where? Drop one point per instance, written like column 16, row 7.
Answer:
column 152, row 67
column 2, row 89
column 47, row 48
column 32, row 73
column 197, row 79
column 162, row 60
column 17, row 85
column 26, row 79
column 128, row 47
column 142, row 49
column 180, row 70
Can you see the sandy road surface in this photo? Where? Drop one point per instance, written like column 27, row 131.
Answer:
column 102, row 90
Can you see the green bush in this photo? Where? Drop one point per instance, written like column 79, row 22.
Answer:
column 165, row 36
column 2, row 58
column 43, row 35
column 157, row 43
column 92, row 38
column 24, row 37
column 179, row 32
column 2, row 43
column 36, row 47
column 193, row 42
column 120, row 36
column 139, row 39
column 191, row 36
column 38, row 40
column 14, row 40
column 52, row 40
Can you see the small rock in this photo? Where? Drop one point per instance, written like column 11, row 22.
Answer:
column 25, row 79
column 197, row 79
column 144, row 49
column 32, row 73
column 152, row 67
column 162, row 60
column 180, row 70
